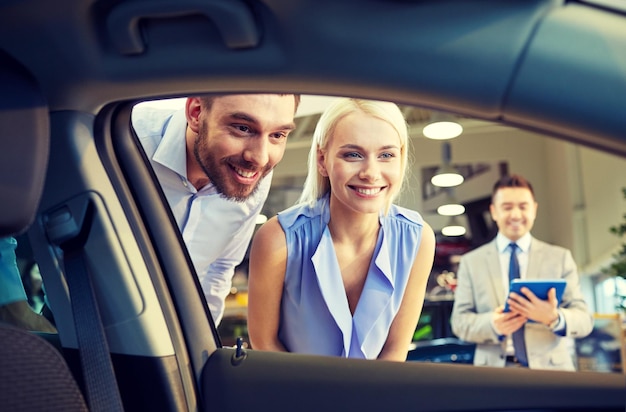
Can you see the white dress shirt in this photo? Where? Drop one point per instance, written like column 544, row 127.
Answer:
column 504, row 253
column 217, row 231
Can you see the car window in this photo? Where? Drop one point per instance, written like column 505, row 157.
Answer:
column 580, row 196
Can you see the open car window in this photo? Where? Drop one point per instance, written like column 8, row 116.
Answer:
column 580, row 195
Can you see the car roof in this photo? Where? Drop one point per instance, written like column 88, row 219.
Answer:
column 551, row 66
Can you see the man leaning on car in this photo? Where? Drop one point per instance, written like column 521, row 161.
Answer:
column 535, row 332
column 214, row 160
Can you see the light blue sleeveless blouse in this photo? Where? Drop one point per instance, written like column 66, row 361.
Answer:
column 315, row 317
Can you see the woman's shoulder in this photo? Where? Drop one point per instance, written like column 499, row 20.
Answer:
column 299, row 214
column 406, row 215
column 270, row 232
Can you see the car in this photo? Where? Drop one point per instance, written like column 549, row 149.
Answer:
column 134, row 329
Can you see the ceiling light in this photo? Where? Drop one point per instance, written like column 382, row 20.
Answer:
column 451, row 209
column 442, row 130
column 453, row 228
column 442, row 126
column 447, row 176
column 450, row 206
column 453, row 231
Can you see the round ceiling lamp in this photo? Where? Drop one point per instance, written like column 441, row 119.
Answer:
column 442, row 126
column 453, row 228
column 451, row 209
column 442, row 130
column 447, row 176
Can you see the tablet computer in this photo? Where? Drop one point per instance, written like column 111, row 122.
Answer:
column 539, row 287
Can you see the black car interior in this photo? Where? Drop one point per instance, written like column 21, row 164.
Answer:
column 71, row 174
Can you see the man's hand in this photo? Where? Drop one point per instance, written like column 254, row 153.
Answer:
column 531, row 307
column 507, row 322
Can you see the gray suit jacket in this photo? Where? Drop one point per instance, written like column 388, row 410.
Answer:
column 479, row 291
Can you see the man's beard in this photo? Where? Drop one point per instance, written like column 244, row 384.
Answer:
column 217, row 170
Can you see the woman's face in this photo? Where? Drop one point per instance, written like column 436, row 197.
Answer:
column 363, row 163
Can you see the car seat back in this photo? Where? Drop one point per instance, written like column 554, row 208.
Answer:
column 24, row 146
column 34, row 375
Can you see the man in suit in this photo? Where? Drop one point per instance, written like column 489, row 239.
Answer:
column 535, row 332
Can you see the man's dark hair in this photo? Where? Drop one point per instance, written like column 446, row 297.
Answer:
column 512, row 181
column 207, row 99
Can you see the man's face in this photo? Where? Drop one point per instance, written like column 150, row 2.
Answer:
column 240, row 139
column 514, row 210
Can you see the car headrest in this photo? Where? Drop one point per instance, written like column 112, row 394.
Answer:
column 24, row 146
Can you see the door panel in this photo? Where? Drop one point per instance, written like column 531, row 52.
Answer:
column 287, row 382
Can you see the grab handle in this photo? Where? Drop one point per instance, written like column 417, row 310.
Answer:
column 233, row 19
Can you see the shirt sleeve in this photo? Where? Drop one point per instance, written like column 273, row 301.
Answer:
column 217, row 281
column 559, row 328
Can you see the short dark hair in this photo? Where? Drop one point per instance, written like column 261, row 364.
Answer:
column 207, row 99
column 512, row 181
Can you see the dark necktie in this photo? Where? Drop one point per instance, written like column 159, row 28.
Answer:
column 518, row 336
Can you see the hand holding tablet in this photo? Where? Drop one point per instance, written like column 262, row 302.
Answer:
column 539, row 287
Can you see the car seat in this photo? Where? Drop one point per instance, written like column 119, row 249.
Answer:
column 33, row 374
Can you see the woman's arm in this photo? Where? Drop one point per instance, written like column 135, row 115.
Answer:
column 403, row 326
column 268, row 262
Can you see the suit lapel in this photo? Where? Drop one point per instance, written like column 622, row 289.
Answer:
column 494, row 272
column 535, row 257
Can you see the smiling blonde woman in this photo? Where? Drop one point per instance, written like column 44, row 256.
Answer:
column 344, row 272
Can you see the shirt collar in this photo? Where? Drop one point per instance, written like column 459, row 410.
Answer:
column 172, row 151
column 502, row 242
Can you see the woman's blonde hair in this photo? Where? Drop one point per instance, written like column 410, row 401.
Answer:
column 316, row 185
